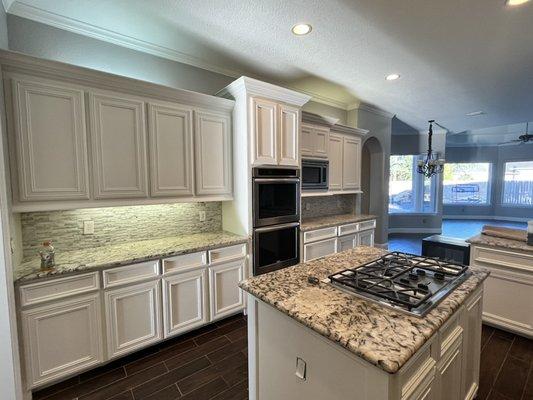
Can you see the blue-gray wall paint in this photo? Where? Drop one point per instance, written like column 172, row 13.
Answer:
column 4, row 43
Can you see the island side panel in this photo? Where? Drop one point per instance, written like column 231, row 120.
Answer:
column 276, row 342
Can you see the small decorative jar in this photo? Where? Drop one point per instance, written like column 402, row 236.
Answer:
column 47, row 254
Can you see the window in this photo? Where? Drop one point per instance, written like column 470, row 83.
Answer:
column 518, row 183
column 467, row 183
column 409, row 191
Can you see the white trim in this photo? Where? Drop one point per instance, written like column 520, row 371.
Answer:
column 489, row 217
column 371, row 109
column 7, row 4
column 415, row 230
column 507, row 324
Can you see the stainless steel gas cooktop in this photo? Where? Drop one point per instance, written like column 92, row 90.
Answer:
column 407, row 282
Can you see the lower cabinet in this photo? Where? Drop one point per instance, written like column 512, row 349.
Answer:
column 346, row 242
column 320, row 249
column 133, row 317
column 472, row 344
column 184, row 301
column 225, row 295
column 449, row 373
column 62, row 338
column 365, row 238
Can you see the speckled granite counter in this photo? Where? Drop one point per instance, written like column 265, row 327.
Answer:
column 487, row 240
column 332, row 220
column 125, row 253
column 380, row 335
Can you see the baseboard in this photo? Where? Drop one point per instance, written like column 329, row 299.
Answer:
column 489, row 217
column 415, row 230
column 508, row 325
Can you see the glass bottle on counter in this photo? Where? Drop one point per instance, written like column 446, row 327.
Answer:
column 47, row 254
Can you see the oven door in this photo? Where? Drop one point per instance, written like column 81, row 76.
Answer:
column 276, row 201
column 276, row 247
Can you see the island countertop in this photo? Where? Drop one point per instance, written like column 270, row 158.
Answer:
column 380, row 335
column 125, row 253
column 309, row 224
column 486, row 240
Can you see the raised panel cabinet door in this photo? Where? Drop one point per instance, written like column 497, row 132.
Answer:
column 133, row 317
column 62, row 338
column 51, row 140
column 472, row 345
column 171, row 150
column 289, row 133
column 225, row 295
column 449, row 376
column 335, row 162
column 321, row 139
column 307, row 141
column 184, row 301
column 118, row 137
column 264, row 132
column 346, row 242
column 351, row 163
column 365, row 238
column 212, row 135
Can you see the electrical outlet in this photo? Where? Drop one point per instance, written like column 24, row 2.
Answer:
column 307, row 206
column 201, row 214
column 88, row 227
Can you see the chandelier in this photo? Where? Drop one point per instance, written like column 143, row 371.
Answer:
column 432, row 164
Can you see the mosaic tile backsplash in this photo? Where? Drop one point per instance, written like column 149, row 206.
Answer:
column 115, row 225
column 328, row 205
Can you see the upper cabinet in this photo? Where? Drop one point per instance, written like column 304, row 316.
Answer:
column 289, row 124
column 50, row 139
column 335, row 161
column 351, row 163
column 314, row 141
column 118, row 145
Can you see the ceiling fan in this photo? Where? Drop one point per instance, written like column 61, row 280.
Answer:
column 525, row 138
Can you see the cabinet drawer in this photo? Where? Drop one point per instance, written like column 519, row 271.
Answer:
column 319, row 249
column 348, row 228
column 131, row 273
column 35, row 293
column 484, row 256
column 227, row 253
column 367, row 225
column 183, row 262
column 320, row 234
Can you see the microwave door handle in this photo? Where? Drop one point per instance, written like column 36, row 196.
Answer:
column 277, row 227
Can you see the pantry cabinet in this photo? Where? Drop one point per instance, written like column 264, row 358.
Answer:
column 314, row 141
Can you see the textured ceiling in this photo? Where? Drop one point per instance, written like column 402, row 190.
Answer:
column 454, row 56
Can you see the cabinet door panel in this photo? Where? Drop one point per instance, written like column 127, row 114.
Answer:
column 289, row 127
column 118, row 137
column 170, row 133
column 62, row 338
column 51, row 140
column 264, row 128
column 184, row 301
column 132, row 315
column 306, row 141
column 472, row 344
column 346, row 242
column 365, row 238
column 449, row 376
column 321, row 139
column 226, row 296
column 320, row 249
column 351, row 164
column 335, row 162
column 213, row 153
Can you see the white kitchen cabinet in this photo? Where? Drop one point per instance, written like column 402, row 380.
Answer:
column 288, row 143
column 118, row 138
column 185, row 301
column 365, row 238
column 226, row 297
column 315, row 141
column 171, row 150
column 346, row 242
column 320, row 249
column 265, row 132
column 335, row 153
column 449, row 372
column 351, row 163
column 62, row 338
column 471, row 344
column 133, row 317
column 212, row 137
column 51, row 140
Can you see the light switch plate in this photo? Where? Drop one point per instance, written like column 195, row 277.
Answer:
column 88, row 227
column 201, row 215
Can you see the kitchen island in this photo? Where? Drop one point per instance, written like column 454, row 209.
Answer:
column 313, row 341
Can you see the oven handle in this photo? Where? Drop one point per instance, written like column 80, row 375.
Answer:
column 295, row 180
column 277, row 227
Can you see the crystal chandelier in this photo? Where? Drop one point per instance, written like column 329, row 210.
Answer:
column 432, row 164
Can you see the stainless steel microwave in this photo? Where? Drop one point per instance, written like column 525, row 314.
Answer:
column 315, row 174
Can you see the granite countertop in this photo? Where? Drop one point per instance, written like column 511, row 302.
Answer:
column 380, row 335
column 487, row 240
column 125, row 253
column 310, row 224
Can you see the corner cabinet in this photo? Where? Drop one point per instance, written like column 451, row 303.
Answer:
column 275, row 133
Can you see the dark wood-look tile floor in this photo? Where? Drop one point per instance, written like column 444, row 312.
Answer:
column 211, row 364
column 207, row 364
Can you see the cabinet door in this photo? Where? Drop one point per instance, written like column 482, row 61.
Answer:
column 351, row 163
column 62, row 338
column 321, row 142
column 212, row 135
column 472, row 344
column 289, row 127
column 335, row 162
column 118, row 138
column 133, row 317
column 320, row 249
column 225, row 295
column 307, row 141
column 264, row 128
column 184, row 301
column 365, row 238
column 170, row 134
column 51, row 140
column 449, row 376
column 346, row 242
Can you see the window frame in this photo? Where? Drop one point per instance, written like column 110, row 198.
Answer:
column 502, row 194
column 490, row 184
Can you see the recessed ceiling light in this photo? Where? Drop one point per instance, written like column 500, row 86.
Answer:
column 516, row 2
column 392, row 77
column 475, row 113
column 301, row 29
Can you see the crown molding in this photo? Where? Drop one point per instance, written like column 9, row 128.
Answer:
column 7, row 4
column 349, row 129
column 312, row 118
column 374, row 110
